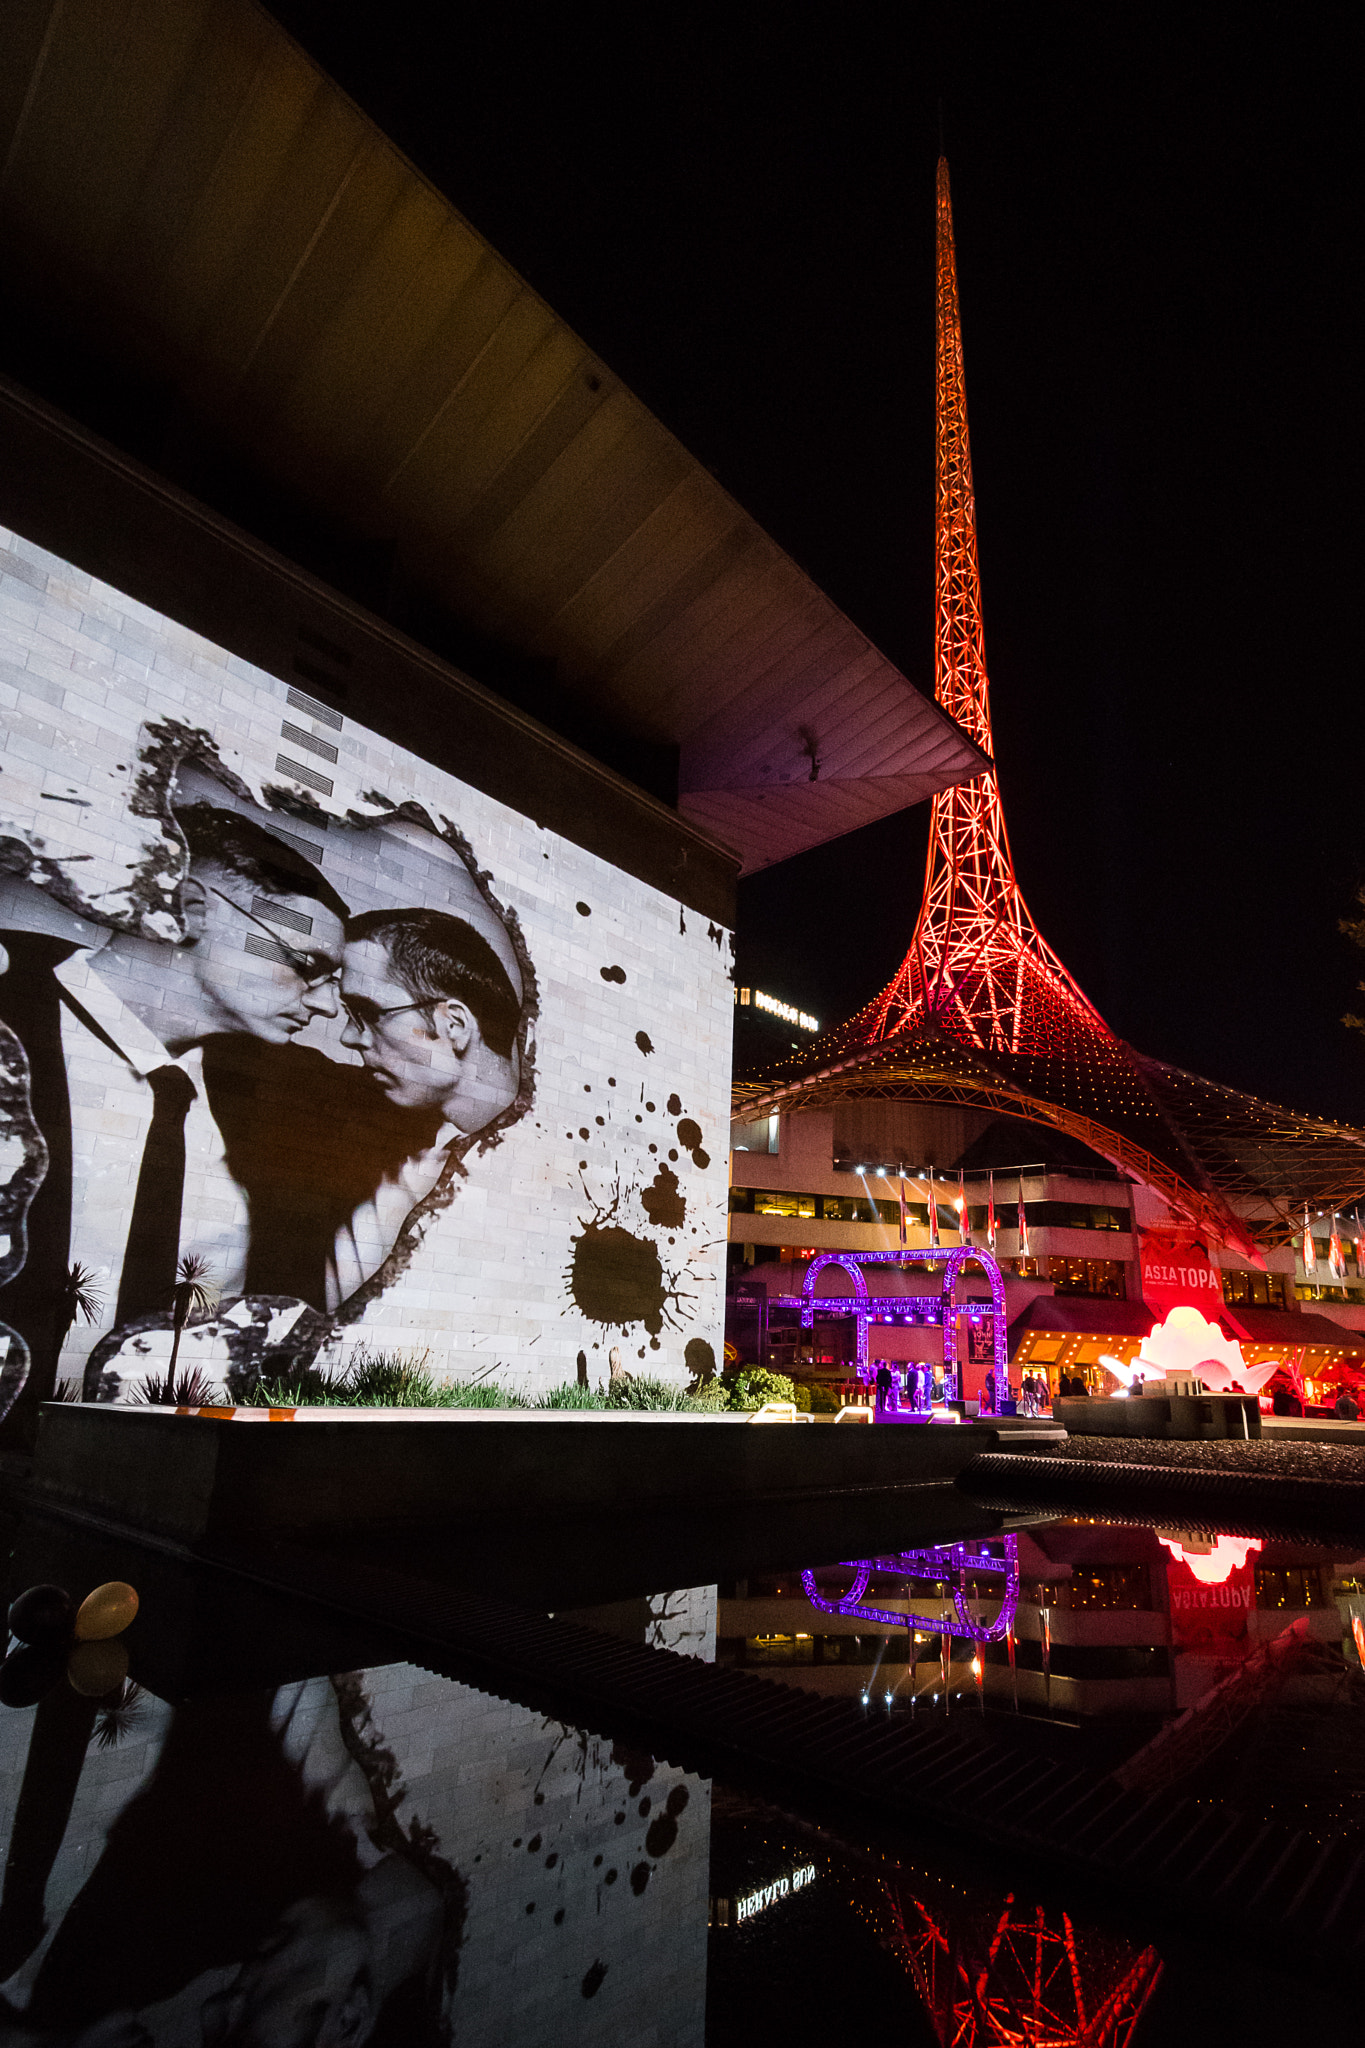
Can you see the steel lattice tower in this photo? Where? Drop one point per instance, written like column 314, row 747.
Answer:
column 1015, row 1980
column 977, row 963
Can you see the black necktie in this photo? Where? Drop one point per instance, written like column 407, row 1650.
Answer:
column 147, row 1282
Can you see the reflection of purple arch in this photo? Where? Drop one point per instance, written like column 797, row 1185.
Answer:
column 951, row 1561
column 867, row 1308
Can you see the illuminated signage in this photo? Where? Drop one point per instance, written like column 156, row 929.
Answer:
column 780, row 1888
column 801, row 1018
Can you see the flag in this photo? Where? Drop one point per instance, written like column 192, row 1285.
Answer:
column 900, row 1172
column 990, row 1215
column 1024, row 1252
column 1336, row 1257
column 933, row 1211
column 1310, row 1256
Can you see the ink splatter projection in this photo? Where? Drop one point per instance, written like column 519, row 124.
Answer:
column 583, row 909
column 592, row 1981
column 617, row 974
column 689, row 1133
column 645, row 1043
column 664, row 1202
column 616, row 1277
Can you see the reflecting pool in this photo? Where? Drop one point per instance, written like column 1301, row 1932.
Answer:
column 921, row 1788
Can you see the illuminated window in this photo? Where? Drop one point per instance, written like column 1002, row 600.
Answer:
column 1292, row 1585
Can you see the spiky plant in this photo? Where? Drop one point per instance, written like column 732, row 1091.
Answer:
column 194, row 1295
column 78, row 1298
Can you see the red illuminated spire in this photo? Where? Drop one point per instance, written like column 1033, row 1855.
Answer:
column 977, row 963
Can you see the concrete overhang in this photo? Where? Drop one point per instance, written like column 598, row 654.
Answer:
column 183, row 183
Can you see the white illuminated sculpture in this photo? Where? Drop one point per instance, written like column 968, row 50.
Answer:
column 1190, row 1355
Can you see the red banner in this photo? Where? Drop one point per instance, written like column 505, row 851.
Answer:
column 1176, row 1273
column 1211, row 1618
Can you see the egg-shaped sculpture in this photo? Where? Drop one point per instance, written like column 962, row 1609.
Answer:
column 105, row 1612
column 97, row 1668
column 43, row 1614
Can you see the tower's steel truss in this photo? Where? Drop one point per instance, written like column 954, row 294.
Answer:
column 977, row 962
column 982, row 1011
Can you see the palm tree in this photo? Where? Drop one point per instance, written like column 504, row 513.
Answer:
column 77, row 1297
column 194, row 1294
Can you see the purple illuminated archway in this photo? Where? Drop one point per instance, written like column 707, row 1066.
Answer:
column 943, row 1311
column 950, row 1561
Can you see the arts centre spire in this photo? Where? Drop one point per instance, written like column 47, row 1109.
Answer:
column 977, row 963
column 982, row 1012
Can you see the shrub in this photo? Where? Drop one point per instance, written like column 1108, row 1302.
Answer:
column 755, row 1385
column 477, row 1394
column 711, row 1398
column 655, row 1397
column 570, row 1395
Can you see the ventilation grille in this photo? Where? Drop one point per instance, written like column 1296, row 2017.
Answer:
column 275, row 912
column 323, row 713
column 299, row 738
column 298, row 773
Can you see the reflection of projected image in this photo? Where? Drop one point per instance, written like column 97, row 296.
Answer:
column 261, row 1881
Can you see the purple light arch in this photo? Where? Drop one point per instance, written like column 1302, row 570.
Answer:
column 888, row 1308
column 950, row 1561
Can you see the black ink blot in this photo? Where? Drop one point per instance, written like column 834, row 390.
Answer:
column 663, row 1833
column 552, row 1859
column 701, row 1160
column 645, row 1043
column 677, row 1798
column 637, row 1766
column 672, row 1151
column 617, row 1278
column 661, row 1201
column 532, row 1907
column 613, row 974
column 540, row 1796
column 584, row 1132
column 689, row 1132
column 700, row 1361
column 533, row 1845
column 611, row 1877
column 639, row 1878
column 592, row 1981
column 583, row 909
column 675, row 1107
column 650, row 1107
column 645, row 1805
column 601, row 1120
column 559, row 1917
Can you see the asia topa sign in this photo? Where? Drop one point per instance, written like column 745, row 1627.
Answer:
column 1177, row 1273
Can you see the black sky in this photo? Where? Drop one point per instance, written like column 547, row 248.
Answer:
column 1158, row 233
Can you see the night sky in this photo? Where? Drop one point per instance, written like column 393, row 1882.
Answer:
column 1158, row 232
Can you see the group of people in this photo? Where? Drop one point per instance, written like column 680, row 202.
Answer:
column 179, row 1115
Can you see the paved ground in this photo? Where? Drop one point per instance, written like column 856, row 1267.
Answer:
column 1267, row 1458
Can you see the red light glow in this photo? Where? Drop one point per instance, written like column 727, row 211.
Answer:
column 1214, row 1567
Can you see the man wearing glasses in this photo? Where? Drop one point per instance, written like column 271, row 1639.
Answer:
column 260, row 958
column 433, row 1014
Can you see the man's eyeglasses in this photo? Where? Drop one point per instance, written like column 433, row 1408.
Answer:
column 313, row 968
column 367, row 1016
